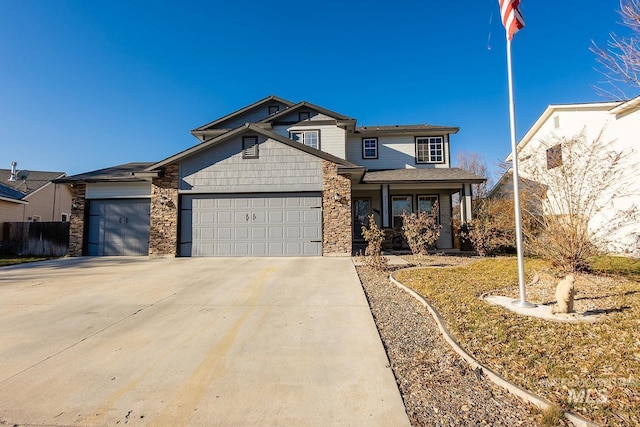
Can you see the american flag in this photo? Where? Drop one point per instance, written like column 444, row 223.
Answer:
column 511, row 16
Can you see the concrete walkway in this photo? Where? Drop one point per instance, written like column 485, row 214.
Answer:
column 233, row 342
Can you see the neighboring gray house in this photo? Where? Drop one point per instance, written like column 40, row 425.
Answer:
column 275, row 178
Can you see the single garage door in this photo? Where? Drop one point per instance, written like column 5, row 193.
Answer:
column 118, row 227
column 282, row 224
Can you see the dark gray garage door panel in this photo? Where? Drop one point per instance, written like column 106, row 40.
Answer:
column 118, row 227
column 251, row 225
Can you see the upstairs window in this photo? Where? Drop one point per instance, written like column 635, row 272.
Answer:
column 249, row 147
column 554, row 156
column 307, row 137
column 369, row 148
column 429, row 149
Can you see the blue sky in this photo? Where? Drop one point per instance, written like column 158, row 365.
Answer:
column 91, row 84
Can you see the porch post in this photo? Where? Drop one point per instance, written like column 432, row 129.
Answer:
column 465, row 203
column 385, row 206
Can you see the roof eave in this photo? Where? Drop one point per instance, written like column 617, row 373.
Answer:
column 424, row 181
column 439, row 131
column 9, row 199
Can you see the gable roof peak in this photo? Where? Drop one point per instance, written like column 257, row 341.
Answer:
column 259, row 103
column 242, row 129
column 307, row 104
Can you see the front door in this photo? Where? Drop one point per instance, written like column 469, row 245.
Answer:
column 361, row 212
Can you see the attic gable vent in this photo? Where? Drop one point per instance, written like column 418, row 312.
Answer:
column 249, row 147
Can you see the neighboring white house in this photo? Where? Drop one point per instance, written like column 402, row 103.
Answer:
column 618, row 123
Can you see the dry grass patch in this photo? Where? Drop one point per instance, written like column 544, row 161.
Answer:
column 5, row 261
column 590, row 368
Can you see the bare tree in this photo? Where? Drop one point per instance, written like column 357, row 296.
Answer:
column 474, row 163
column 620, row 58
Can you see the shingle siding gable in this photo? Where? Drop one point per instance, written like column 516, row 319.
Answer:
column 278, row 168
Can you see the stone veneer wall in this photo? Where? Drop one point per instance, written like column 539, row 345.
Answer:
column 163, row 235
column 336, row 214
column 76, row 226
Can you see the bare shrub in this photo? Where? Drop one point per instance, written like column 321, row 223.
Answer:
column 577, row 211
column 421, row 230
column 492, row 230
column 374, row 237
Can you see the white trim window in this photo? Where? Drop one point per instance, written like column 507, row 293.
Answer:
column 369, row 148
column 310, row 138
column 429, row 149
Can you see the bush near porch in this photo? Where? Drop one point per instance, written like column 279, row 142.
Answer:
column 592, row 369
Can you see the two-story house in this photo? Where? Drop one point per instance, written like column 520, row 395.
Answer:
column 274, row 178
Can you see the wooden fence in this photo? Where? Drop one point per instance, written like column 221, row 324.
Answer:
column 35, row 238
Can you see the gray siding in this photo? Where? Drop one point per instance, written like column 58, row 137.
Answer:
column 278, row 168
column 394, row 152
column 332, row 138
column 251, row 116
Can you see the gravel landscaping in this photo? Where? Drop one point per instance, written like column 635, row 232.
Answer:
column 438, row 387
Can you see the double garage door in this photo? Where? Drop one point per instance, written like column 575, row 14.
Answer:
column 282, row 224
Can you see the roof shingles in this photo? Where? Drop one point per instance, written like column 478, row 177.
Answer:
column 421, row 175
column 35, row 180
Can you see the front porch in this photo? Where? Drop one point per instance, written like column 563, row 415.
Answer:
column 387, row 194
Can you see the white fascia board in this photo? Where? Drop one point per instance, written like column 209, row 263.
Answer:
column 603, row 106
column 6, row 199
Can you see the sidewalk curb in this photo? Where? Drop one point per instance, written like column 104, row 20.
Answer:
column 526, row 395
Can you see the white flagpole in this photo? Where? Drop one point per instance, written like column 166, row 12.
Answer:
column 516, row 187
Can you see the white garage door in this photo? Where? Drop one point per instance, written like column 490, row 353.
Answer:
column 282, row 224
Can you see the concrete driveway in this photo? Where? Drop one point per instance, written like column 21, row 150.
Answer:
column 191, row 341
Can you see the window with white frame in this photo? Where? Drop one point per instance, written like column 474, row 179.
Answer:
column 307, row 137
column 65, row 217
column 429, row 149
column 369, row 148
column 249, row 147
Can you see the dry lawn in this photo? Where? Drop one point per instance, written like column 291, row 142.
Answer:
column 591, row 368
